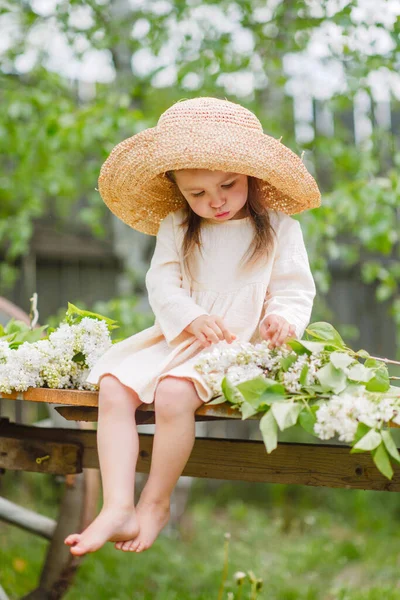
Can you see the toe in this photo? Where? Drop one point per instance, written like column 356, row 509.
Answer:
column 78, row 550
column 125, row 545
column 118, row 545
column 134, row 545
column 72, row 539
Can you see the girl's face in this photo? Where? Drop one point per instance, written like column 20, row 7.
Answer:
column 210, row 193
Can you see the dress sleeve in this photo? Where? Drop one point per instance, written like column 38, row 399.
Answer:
column 291, row 289
column 171, row 303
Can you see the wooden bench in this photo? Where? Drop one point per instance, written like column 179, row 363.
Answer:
column 67, row 451
column 73, row 453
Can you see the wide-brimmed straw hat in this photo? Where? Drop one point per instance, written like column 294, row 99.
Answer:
column 200, row 133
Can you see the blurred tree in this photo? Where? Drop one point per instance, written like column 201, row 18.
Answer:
column 54, row 136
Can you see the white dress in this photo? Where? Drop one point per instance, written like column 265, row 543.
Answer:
column 281, row 284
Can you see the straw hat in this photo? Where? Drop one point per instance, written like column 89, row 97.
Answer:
column 200, row 133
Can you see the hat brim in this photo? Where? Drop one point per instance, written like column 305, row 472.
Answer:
column 132, row 180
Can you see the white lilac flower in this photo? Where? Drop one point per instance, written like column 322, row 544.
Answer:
column 342, row 413
column 242, row 361
column 50, row 362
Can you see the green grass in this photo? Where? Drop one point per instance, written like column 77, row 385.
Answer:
column 305, row 543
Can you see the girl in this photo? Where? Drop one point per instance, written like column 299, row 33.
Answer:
column 229, row 264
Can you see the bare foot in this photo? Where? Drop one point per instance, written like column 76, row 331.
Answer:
column 111, row 524
column 152, row 516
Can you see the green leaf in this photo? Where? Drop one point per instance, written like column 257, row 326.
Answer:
column 380, row 382
column 79, row 357
column 372, row 363
column 363, row 354
column 247, row 410
column 370, row 441
column 382, row 461
column 286, row 413
column 298, row 347
column 361, row 431
column 315, row 388
column 341, row 360
column 325, row 331
column 253, row 388
column 230, row 391
column 217, row 400
column 287, row 361
column 331, row 379
column 360, row 373
column 307, row 419
column 303, row 375
column 390, row 445
column 269, row 431
column 312, row 346
column 74, row 310
column 269, row 398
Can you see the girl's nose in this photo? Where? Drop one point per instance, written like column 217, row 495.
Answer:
column 218, row 202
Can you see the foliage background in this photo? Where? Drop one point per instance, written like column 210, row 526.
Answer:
column 60, row 119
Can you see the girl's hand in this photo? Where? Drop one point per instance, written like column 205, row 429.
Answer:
column 210, row 329
column 277, row 330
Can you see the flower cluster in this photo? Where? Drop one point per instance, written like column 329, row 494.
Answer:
column 291, row 378
column 317, row 382
column 342, row 414
column 63, row 360
column 243, row 361
column 240, row 361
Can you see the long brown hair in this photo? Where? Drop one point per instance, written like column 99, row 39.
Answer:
column 263, row 231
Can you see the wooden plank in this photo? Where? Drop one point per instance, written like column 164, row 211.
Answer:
column 83, row 398
column 37, row 455
column 318, row 465
column 143, row 417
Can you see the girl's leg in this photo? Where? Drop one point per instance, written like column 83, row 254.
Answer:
column 176, row 401
column 118, row 446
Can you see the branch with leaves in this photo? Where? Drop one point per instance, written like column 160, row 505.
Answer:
column 317, row 382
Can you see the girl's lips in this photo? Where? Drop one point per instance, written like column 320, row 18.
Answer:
column 222, row 214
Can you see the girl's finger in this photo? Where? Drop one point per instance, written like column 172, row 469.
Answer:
column 204, row 340
column 226, row 334
column 211, row 334
column 277, row 335
column 284, row 334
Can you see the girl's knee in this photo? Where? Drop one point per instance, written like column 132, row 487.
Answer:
column 111, row 389
column 174, row 396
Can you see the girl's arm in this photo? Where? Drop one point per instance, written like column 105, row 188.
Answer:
column 291, row 290
column 171, row 304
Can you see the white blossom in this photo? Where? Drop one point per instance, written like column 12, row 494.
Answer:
column 61, row 361
column 342, row 413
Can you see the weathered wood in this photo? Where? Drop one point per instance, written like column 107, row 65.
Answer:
column 53, row 396
column 26, row 519
column 143, row 417
column 84, row 399
column 37, row 455
column 242, row 460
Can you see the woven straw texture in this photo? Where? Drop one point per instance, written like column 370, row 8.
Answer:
column 200, row 133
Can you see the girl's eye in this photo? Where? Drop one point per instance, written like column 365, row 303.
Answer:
column 228, row 185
